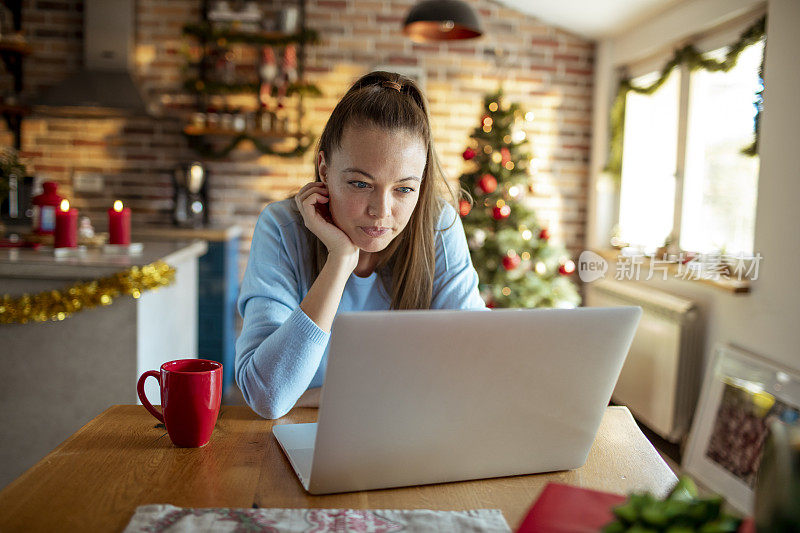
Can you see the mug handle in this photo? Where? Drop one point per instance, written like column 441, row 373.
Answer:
column 143, row 396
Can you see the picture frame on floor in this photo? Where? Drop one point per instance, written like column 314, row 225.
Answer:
column 741, row 394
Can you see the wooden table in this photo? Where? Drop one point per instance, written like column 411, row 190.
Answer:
column 123, row 458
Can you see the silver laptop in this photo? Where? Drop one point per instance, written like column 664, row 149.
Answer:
column 418, row 397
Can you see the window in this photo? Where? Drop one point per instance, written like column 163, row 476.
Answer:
column 688, row 177
column 647, row 192
column 720, row 184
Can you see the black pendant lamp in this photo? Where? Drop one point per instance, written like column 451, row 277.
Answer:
column 442, row 20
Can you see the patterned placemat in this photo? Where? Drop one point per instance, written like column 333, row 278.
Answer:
column 168, row 518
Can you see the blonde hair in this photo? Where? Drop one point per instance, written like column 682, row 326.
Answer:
column 395, row 103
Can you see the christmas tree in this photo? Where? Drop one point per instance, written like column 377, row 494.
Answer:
column 517, row 264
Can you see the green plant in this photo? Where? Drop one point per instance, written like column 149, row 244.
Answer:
column 682, row 511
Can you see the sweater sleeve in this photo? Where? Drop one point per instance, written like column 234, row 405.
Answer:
column 280, row 347
column 455, row 285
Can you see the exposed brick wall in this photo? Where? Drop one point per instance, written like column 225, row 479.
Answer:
column 546, row 70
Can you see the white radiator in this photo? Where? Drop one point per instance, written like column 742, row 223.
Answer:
column 660, row 381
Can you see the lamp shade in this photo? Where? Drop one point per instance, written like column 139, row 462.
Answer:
column 442, row 20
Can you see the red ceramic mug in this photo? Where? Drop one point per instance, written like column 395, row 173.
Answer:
column 191, row 390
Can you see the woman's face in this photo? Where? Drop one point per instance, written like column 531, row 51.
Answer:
column 374, row 180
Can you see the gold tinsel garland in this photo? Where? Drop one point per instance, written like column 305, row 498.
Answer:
column 60, row 304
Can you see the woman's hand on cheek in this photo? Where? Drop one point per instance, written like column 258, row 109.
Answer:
column 313, row 202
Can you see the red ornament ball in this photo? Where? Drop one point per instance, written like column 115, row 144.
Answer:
column 487, row 183
column 468, row 154
column 567, row 268
column 499, row 213
column 544, row 234
column 464, row 208
column 510, row 262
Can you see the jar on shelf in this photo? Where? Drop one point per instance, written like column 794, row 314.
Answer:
column 199, row 120
column 226, row 121
column 264, row 120
column 239, row 122
column 212, row 118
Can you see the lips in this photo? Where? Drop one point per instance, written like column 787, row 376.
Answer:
column 374, row 231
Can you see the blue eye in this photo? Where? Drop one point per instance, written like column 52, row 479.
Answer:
column 359, row 184
column 405, row 190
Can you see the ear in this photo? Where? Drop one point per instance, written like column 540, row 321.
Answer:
column 322, row 165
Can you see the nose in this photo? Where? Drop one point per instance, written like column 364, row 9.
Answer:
column 380, row 204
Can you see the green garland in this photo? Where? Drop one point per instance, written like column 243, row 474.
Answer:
column 206, row 150
column 694, row 60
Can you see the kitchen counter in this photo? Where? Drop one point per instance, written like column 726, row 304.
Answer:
column 92, row 262
column 208, row 233
column 58, row 375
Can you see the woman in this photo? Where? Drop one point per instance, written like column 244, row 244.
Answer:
column 372, row 232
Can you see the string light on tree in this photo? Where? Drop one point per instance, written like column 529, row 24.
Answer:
column 477, row 239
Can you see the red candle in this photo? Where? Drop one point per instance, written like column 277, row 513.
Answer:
column 66, row 235
column 119, row 224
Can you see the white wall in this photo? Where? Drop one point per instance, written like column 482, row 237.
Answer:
column 766, row 321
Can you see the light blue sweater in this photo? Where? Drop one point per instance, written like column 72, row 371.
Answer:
column 281, row 352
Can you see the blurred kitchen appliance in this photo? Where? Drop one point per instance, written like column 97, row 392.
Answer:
column 190, row 195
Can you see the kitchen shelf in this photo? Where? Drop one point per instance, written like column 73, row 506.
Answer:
column 195, row 131
column 16, row 47
column 214, row 36
column 198, row 86
column 209, row 89
column 12, row 52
